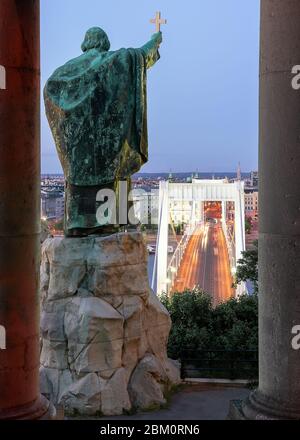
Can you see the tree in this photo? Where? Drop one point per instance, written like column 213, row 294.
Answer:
column 232, row 325
column 235, row 324
column 248, row 225
column 191, row 313
column 247, row 267
column 58, row 226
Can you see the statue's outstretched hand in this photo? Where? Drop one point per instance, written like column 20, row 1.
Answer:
column 157, row 37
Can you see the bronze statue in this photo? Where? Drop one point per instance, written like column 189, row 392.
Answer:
column 96, row 106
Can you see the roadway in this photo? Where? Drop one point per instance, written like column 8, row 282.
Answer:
column 205, row 264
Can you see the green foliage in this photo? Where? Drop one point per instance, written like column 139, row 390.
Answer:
column 196, row 324
column 248, row 225
column 247, row 267
column 179, row 229
column 59, row 226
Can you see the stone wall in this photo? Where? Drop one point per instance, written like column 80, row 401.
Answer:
column 103, row 331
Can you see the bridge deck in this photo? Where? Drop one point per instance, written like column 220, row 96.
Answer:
column 206, row 265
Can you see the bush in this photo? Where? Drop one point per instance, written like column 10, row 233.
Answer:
column 197, row 325
column 247, row 267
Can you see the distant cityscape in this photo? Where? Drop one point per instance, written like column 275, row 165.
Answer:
column 53, row 194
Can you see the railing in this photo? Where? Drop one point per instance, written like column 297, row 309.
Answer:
column 177, row 257
column 230, row 245
column 219, row 364
column 230, row 240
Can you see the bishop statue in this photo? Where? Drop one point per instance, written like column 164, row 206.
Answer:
column 96, row 105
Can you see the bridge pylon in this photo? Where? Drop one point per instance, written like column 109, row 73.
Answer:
column 161, row 256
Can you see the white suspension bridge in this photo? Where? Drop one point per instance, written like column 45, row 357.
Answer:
column 195, row 195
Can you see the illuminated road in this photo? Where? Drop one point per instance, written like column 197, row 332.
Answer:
column 205, row 264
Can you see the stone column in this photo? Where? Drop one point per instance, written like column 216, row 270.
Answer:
column 20, row 210
column 278, row 395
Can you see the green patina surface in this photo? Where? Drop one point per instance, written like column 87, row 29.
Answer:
column 96, row 106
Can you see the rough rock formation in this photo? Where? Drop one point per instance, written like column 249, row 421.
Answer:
column 45, row 231
column 104, row 332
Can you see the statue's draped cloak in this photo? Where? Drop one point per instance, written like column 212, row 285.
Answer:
column 96, row 106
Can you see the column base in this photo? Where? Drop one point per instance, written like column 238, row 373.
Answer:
column 260, row 407
column 41, row 409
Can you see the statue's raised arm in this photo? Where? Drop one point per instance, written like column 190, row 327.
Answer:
column 151, row 49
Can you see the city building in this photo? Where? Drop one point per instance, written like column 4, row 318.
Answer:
column 60, row 208
column 254, row 179
column 52, row 204
column 251, row 203
column 181, row 212
column 239, row 172
column 145, row 206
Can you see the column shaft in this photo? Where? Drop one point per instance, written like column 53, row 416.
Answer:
column 278, row 396
column 279, row 191
column 20, row 209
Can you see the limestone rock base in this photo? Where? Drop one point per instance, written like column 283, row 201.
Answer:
column 104, row 332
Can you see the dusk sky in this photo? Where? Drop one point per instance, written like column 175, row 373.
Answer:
column 202, row 94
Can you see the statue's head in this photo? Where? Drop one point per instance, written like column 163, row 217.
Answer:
column 95, row 38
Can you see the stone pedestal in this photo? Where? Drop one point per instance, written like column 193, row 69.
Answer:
column 104, row 332
column 278, row 395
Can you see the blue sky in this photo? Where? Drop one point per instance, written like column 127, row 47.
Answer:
column 202, row 94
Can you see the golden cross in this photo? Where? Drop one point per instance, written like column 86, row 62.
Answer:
column 158, row 21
